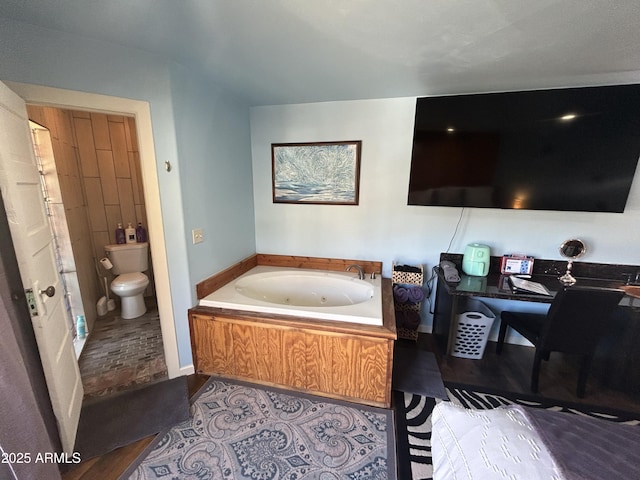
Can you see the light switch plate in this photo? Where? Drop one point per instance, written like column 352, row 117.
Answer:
column 197, row 234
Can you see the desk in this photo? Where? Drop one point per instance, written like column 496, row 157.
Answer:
column 618, row 355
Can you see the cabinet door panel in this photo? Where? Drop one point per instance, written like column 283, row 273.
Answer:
column 213, row 343
column 277, row 365
column 372, row 371
column 264, row 354
column 294, row 358
column 359, row 368
column 319, row 358
column 244, row 351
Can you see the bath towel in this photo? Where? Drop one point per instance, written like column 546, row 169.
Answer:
column 416, row 294
column 407, row 268
column 407, row 319
column 400, row 294
column 408, row 294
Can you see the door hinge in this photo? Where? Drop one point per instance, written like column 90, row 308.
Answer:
column 31, row 301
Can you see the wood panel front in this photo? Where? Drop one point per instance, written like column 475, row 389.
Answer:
column 366, row 361
column 350, row 367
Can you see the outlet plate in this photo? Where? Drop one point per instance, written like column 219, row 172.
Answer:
column 197, row 235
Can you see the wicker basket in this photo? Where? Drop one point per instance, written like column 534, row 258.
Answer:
column 407, row 334
column 407, row 278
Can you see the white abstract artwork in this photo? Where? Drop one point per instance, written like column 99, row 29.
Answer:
column 323, row 173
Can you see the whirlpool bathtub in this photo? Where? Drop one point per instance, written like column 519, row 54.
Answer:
column 319, row 294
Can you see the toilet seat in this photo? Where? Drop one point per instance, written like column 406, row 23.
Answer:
column 137, row 279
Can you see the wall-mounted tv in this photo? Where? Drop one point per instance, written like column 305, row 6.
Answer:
column 570, row 149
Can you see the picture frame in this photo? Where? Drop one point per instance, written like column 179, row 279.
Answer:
column 323, row 173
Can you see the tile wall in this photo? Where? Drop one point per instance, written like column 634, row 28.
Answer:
column 100, row 178
column 109, row 158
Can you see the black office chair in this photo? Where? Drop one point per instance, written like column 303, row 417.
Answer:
column 574, row 324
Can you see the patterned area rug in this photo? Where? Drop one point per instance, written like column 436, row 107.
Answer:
column 414, row 421
column 242, row 431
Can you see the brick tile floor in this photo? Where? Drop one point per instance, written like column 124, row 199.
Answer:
column 121, row 354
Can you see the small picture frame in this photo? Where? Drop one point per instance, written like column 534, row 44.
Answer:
column 516, row 264
column 326, row 173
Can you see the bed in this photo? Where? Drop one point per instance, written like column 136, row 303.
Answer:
column 518, row 442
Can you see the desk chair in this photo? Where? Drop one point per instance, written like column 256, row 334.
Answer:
column 574, row 324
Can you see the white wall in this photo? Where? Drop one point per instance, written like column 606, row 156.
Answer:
column 383, row 227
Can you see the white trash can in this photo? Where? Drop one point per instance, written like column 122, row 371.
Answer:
column 472, row 330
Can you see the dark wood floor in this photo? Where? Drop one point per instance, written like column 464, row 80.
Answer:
column 509, row 371
column 113, row 464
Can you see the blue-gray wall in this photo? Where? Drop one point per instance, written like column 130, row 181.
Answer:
column 202, row 130
column 215, row 172
column 383, row 227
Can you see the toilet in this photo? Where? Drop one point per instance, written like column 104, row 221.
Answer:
column 129, row 261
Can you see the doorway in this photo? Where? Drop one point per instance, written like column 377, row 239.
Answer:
column 140, row 110
column 92, row 183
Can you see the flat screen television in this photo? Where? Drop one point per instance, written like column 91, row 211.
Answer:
column 572, row 149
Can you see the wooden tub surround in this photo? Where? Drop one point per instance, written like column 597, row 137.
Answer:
column 346, row 361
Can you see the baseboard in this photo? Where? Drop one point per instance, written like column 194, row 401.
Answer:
column 424, row 328
column 187, row 370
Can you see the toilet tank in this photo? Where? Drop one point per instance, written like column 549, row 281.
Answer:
column 128, row 257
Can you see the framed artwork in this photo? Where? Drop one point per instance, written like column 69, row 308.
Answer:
column 316, row 173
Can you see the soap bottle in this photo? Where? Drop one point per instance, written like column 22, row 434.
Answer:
column 120, row 235
column 141, row 233
column 130, row 234
column 81, row 327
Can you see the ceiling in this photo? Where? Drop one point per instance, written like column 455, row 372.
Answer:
column 296, row 51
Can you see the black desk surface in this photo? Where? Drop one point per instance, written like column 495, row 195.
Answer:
column 495, row 285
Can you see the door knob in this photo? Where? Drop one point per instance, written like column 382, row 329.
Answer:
column 49, row 292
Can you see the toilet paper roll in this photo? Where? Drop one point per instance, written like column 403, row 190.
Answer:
column 106, row 263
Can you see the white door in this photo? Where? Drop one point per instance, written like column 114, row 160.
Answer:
column 31, row 234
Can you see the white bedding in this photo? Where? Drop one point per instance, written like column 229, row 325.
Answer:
column 488, row 444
